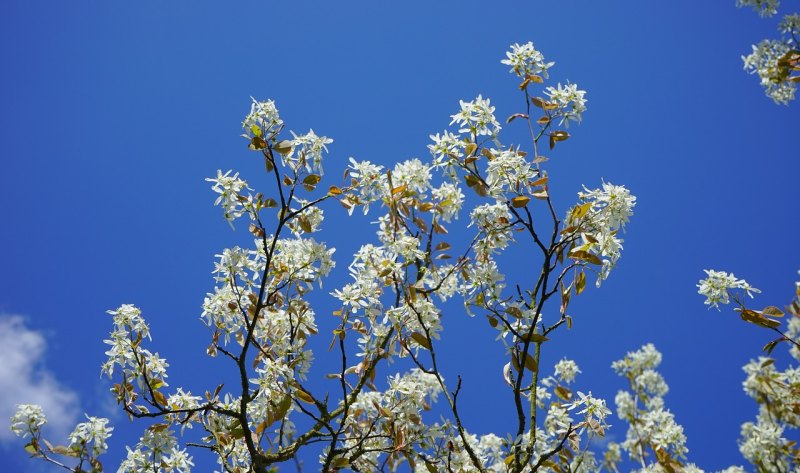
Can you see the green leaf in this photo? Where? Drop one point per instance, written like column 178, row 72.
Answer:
column 31, row 448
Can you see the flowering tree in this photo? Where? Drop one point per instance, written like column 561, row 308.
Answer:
column 261, row 320
column 776, row 61
column 764, row 443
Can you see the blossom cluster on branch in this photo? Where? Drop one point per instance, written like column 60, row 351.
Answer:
column 261, row 321
column 776, row 61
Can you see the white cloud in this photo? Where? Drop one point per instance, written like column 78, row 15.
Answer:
column 23, row 380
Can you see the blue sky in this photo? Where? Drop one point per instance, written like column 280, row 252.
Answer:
column 113, row 114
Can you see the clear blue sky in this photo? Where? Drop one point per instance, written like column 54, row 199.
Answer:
column 114, row 113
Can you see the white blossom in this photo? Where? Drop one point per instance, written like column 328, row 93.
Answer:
column 263, row 120
column 233, row 203
column 569, row 100
column 717, row 285
column 566, row 370
column 763, row 61
column 28, row 419
column 526, row 60
column 307, row 152
column 764, row 8
column 91, row 435
column 476, row 117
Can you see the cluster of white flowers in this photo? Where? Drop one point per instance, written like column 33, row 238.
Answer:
column 301, row 259
column 412, row 174
column 509, row 172
column 91, row 436
column 601, row 214
column 652, row 426
column 526, row 60
column 412, row 317
column 372, row 184
column 397, row 410
column 446, row 149
column 157, row 450
column 234, row 204
column 776, row 390
column 593, row 408
column 307, row 221
column 140, row 364
column 566, row 370
column 793, row 332
column 493, row 221
column 569, row 100
column 762, row 443
column 259, row 301
column 717, row 285
column 28, row 420
column 763, row 60
column 307, row 152
column 449, row 199
column 477, row 118
column 790, row 25
column 263, row 120
column 765, row 8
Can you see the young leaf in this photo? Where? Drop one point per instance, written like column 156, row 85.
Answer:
column 421, row 339
column 520, row 201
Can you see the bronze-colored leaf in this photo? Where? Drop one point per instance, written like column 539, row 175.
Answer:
column 257, row 143
column 515, row 116
column 580, row 283
column 756, row 318
column 312, row 179
column 772, row 311
column 421, row 339
column 283, row 147
column 536, row 337
column 520, row 201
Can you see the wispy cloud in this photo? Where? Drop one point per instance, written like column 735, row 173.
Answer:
column 24, row 380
